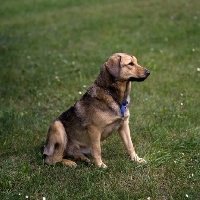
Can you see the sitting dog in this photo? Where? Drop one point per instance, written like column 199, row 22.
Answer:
column 101, row 110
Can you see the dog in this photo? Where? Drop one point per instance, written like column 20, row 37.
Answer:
column 103, row 109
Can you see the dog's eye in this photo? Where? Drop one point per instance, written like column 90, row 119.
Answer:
column 131, row 63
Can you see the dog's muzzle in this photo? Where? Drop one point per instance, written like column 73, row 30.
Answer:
column 147, row 73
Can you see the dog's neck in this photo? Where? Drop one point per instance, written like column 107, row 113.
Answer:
column 119, row 90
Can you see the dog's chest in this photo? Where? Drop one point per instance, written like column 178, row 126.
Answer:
column 110, row 128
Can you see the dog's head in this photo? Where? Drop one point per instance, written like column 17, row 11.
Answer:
column 124, row 67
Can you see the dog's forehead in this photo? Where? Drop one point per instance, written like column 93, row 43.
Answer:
column 125, row 58
column 128, row 58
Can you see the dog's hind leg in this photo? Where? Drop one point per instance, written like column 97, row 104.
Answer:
column 81, row 154
column 56, row 145
column 82, row 158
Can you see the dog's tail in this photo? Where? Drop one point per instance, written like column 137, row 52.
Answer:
column 55, row 144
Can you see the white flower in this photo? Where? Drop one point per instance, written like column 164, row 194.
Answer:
column 181, row 104
column 80, row 92
column 57, row 78
column 26, row 196
column 198, row 69
column 187, row 195
column 43, row 198
column 190, row 176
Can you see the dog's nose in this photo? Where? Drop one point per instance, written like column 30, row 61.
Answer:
column 147, row 72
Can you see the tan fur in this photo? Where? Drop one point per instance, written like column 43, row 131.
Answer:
column 79, row 130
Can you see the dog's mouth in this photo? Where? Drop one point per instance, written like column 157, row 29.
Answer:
column 147, row 73
column 137, row 79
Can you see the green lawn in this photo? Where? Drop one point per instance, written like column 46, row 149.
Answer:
column 50, row 51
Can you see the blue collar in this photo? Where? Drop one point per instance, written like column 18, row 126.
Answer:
column 123, row 107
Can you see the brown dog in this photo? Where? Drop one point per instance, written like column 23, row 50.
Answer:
column 101, row 110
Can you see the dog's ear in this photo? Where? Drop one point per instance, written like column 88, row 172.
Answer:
column 113, row 65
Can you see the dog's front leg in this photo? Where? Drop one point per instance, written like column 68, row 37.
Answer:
column 95, row 136
column 124, row 132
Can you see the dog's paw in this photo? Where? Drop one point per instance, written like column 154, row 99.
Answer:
column 137, row 159
column 69, row 163
column 102, row 165
column 141, row 160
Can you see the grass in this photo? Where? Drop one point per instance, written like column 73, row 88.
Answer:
column 52, row 50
